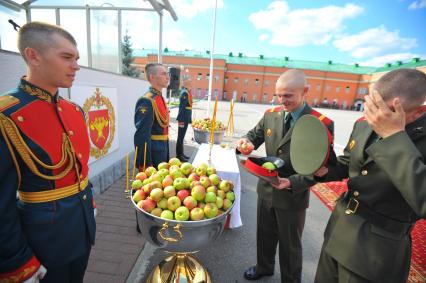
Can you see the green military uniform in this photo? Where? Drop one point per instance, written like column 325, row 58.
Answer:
column 367, row 238
column 281, row 213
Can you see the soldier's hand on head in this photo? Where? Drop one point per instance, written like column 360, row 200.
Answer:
column 283, row 183
column 381, row 118
column 245, row 146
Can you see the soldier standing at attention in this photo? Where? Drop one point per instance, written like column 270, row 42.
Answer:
column 367, row 238
column 152, row 120
column 184, row 118
column 44, row 149
column 281, row 212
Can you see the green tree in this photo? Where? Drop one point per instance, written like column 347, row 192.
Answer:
column 128, row 69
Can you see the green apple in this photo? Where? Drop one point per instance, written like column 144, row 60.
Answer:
column 156, row 211
column 181, row 183
column 205, row 181
column 210, row 197
column 186, row 168
column 226, row 186
column 163, row 165
column 156, row 194
column 177, row 174
column 162, row 203
column 198, row 192
column 230, row 196
column 226, row 204
column 156, row 184
column 137, row 184
column 163, row 172
column 221, row 194
column 269, row 166
column 150, row 170
column 182, row 213
column 197, row 214
column 212, row 189
column 219, row 202
column 174, row 161
column 169, row 191
column 167, row 214
column 173, row 203
column 210, row 210
column 138, row 196
column 190, row 202
column 210, row 171
column 215, row 179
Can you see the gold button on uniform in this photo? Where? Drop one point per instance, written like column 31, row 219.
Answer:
column 77, row 109
column 280, row 151
column 71, row 133
column 364, row 172
column 79, row 155
column 59, row 108
column 20, row 119
column 84, row 197
column 356, row 193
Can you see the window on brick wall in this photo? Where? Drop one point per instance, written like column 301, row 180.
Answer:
column 216, row 77
column 199, row 76
column 226, row 80
column 235, row 80
column 245, row 81
column 363, row 90
column 347, row 89
column 266, row 82
column 256, row 81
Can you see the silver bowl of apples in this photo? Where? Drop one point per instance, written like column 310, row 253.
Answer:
column 180, row 208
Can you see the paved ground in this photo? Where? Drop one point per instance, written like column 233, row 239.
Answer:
column 120, row 254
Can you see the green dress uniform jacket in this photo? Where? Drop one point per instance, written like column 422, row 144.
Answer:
column 369, row 230
column 281, row 213
column 270, row 130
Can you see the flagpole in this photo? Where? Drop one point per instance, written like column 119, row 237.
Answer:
column 209, row 95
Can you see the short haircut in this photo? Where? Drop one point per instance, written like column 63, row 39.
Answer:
column 407, row 84
column 152, row 69
column 294, row 78
column 38, row 35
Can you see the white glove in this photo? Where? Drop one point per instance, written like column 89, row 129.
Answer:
column 39, row 274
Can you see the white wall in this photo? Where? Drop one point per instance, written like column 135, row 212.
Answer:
column 105, row 171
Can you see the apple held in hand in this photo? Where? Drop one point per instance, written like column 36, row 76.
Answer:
column 182, row 213
column 197, row 214
column 173, row 203
column 167, row 214
column 269, row 165
column 246, row 148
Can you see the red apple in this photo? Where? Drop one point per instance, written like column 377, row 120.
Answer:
column 148, row 204
column 226, row 204
column 167, row 181
column 190, row 202
column 138, row 196
column 193, row 177
column 141, row 176
column 182, row 194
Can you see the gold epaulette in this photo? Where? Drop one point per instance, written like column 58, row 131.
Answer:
column 274, row 109
column 149, row 95
column 7, row 101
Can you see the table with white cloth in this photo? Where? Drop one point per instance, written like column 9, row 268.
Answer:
column 226, row 164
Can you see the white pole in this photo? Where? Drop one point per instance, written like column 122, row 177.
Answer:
column 209, row 97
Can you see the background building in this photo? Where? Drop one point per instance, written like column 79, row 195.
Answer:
column 252, row 79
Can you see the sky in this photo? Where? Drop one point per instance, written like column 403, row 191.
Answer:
column 369, row 32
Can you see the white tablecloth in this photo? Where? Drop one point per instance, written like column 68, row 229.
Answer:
column 225, row 162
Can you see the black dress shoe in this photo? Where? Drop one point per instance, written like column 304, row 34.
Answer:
column 251, row 274
column 182, row 158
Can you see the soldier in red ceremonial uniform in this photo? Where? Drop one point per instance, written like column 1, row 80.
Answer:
column 152, row 120
column 44, row 149
column 281, row 210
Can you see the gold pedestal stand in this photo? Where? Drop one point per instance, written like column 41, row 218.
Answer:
column 180, row 267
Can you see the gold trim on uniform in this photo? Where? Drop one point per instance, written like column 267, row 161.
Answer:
column 352, row 144
column 268, row 132
column 52, row 195
column 7, row 101
column 189, row 108
column 159, row 137
column 35, row 91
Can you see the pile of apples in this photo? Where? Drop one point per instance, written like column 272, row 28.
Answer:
column 179, row 191
column 206, row 124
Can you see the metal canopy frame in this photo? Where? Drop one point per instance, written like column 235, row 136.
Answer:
column 157, row 6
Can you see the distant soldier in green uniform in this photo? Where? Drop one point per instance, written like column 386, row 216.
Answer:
column 281, row 212
column 367, row 238
column 184, row 117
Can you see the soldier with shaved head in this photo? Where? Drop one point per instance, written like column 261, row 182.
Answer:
column 281, row 210
column 367, row 238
